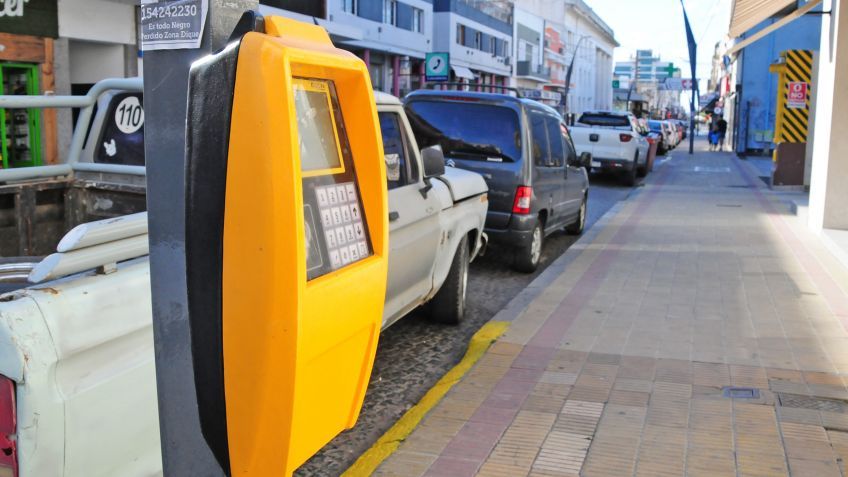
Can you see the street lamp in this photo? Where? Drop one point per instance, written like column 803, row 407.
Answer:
column 570, row 69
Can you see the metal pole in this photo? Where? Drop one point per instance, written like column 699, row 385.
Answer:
column 184, row 450
column 692, row 117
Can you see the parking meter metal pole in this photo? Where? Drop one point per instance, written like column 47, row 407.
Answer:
column 184, row 451
column 286, row 243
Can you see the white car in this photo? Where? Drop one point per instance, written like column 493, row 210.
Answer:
column 615, row 141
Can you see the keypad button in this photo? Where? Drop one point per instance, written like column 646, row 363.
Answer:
column 350, row 235
column 322, row 196
column 354, row 252
column 331, row 238
column 326, row 218
column 335, row 258
column 337, row 215
column 345, row 254
column 354, row 212
column 346, row 215
column 341, row 191
column 332, row 197
column 340, row 236
column 358, row 230
column 351, row 192
column 363, row 248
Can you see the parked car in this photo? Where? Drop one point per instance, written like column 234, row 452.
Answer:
column 663, row 134
column 77, row 342
column 673, row 132
column 615, row 141
column 537, row 182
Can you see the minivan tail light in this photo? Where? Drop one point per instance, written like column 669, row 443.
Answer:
column 8, row 427
column 625, row 137
column 522, row 200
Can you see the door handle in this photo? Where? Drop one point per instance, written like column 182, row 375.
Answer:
column 393, row 216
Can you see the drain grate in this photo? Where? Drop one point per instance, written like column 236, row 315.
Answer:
column 740, row 393
column 812, row 402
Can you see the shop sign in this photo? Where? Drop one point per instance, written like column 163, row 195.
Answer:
column 437, row 66
column 29, row 17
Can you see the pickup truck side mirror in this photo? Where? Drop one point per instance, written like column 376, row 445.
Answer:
column 434, row 161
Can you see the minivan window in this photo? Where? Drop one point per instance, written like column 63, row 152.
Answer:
column 541, row 149
column 555, row 137
column 467, row 130
column 609, row 120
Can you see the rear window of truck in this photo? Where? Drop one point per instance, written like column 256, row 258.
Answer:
column 607, row 120
column 467, row 130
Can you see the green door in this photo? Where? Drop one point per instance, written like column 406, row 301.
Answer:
column 20, row 129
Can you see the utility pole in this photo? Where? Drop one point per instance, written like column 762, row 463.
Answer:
column 184, row 450
column 633, row 81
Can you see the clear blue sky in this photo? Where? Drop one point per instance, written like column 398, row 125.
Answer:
column 658, row 25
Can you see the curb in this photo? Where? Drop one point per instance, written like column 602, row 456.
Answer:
column 385, row 446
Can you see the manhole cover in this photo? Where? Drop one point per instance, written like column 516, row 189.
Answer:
column 740, row 393
column 812, row 402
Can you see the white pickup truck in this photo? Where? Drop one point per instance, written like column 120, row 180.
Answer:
column 78, row 387
column 615, row 141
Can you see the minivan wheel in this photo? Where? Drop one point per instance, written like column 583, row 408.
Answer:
column 527, row 257
column 448, row 306
column 577, row 227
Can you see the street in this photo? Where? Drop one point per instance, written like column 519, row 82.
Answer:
column 415, row 352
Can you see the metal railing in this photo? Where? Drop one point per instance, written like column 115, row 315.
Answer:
column 86, row 104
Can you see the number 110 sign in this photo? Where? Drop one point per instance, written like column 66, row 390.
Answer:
column 129, row 115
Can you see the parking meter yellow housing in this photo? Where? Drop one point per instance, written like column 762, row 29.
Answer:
column 287, row 244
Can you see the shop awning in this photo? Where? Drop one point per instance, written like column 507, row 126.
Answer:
column 463, row 72
column 750, row 13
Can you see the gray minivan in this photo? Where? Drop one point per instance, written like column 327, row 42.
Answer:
column 522, row 148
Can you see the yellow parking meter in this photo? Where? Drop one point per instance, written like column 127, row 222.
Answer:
column 286, row 243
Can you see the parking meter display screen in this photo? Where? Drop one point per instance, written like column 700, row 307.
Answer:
column 336, row 232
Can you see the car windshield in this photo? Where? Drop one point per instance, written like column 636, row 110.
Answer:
column 610, row 120
column 467, row 130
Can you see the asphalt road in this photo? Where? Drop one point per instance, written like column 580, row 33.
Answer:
column 415, row 353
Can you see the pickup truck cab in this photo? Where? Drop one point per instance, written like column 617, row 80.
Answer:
column 436, row 220
column 537, row 183
column 614, row 140
column 77, row 375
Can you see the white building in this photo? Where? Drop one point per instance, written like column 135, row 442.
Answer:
column 574, row 33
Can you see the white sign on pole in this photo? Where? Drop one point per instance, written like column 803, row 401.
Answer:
column 172, row 24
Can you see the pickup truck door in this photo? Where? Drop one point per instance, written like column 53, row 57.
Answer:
column 414, row 229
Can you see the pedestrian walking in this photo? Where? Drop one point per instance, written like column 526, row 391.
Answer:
column 713, row 137
column 721, row 126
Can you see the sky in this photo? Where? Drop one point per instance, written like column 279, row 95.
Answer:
column 658, row 25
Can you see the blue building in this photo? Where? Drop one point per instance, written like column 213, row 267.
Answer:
column 756, row 98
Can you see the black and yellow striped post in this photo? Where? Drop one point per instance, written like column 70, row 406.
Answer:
column 793, row 114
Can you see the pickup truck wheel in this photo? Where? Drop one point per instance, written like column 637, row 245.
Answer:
column 448, row 306
column 577, row 227
column 527, row 258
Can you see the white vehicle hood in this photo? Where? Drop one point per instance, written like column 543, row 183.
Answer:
column 463, row 184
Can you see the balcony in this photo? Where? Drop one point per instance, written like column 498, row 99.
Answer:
column 526, row 69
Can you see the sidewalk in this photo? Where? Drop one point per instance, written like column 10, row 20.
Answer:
column 621, row 364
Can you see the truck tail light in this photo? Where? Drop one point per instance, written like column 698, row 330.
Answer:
column 625, row 137
column 8, row 427
column 522, row 200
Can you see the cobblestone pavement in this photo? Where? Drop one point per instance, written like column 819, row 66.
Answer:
column 414, row 353
column 702, row 331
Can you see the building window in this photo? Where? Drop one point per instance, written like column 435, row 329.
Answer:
column 390, row 12
column 506, row 49
column 478, row 40
column 349, row 6
column 417, row 20
column 460, row 34
column 493, row 45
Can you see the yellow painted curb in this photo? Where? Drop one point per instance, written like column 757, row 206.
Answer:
column 389, row 442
